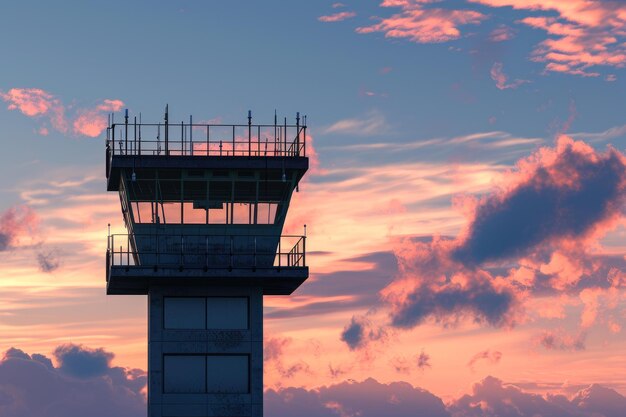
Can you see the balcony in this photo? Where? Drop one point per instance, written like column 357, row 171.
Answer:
column 134, row 263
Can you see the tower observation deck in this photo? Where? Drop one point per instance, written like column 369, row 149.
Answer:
column 204, row 207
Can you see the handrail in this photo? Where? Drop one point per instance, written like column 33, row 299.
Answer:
column 206, row 251
column 273, row 140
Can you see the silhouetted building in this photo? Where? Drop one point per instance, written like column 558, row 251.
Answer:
column 204, row 206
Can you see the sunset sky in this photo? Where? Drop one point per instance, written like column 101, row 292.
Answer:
column 464, row 206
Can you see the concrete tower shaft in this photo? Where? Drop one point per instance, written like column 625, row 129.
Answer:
column 204, row 206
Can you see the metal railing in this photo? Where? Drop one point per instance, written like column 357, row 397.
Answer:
column 193, row 139
column 206, row 251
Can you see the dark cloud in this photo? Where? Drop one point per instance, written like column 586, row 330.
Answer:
column 353, row 334
column 478, row 298
column 82, row 362
column 490, row 356
column 48, row 261
column 404, row 365
column 562, row 198
column 364, row 399
column 5, row 240
column 361, row 332
column 274, row 358
column 30, row 386
column 423, row 361
column 544, row 216
column 273, row 348
column 559, row 340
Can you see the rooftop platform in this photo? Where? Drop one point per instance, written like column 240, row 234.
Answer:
column 200, row 146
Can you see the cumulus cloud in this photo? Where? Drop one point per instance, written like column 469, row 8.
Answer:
column 85, row 383
column 368, row 398
column 423, row 25
column 43, row 105
column 501, row 79
column 491, row 397
column 569, row 192
column 529, row 235
column 31, row 386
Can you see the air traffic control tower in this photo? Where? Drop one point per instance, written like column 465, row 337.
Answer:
column 204, row 206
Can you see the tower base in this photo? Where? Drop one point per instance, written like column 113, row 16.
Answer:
column 205, row 351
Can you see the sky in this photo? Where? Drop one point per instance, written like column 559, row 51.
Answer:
column 464, row 206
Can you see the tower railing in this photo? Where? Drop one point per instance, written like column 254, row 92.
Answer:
column 193, row 139
column 206, row 251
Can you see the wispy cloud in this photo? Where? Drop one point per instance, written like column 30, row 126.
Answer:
column 491, row 356
column 559, row 340
column 373, row 124
column 502, row 33
column 608, row 134
column 336, row 17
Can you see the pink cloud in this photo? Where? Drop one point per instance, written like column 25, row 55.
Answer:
column 498, row 75
column 336, row 17
column 585, row 33
column 423, row 25
column 30, row 101
column 37, row 103
column 91, row 122
column 15, row 224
